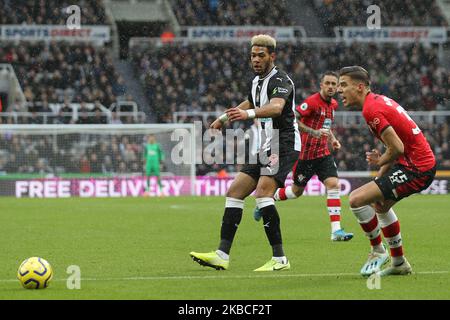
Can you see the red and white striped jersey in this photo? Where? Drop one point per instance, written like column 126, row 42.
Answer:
column 316, row 113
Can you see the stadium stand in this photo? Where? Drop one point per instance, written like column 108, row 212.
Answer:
column 123, row 154
column 38, row 155
column 50, row 12
column 335, row 13
column 57, row 72
column 231, row 12
column 201, row 77
column 206, row 78
column 63, row 82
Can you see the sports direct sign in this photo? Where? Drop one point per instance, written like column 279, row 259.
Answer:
column 233, row 33
column 171, row 186
column 86, row 33
column 395, row 34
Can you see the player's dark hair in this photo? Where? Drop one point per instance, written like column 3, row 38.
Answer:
column 356, row 73
column 328, row 73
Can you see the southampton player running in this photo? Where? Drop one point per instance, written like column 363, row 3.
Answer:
column 315, row 116
column 271, row 100
column 407, row 166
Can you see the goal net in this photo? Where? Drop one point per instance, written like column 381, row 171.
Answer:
column 52, row 161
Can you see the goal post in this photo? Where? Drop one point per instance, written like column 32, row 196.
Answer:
column 95, row 160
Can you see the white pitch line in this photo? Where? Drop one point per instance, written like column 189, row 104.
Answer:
column 208, row 277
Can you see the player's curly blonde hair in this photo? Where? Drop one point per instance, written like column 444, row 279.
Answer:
column 264, row 40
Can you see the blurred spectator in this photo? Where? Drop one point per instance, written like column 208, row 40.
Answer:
column 167, row 36
column 107, row 166
column 85, row 166
column 115, row 119
column 95, row 164
column 99, row 117
column 42, row 167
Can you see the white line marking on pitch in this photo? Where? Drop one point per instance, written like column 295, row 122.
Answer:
column 207, row 277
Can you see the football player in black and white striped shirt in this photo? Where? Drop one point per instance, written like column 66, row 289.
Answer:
column 271, row 101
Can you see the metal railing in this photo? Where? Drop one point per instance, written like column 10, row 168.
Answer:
column 341, row 118
column 69, row 117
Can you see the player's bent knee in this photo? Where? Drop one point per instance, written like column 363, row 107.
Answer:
column 298, row 194
column 298, row 191
column 332, row 183
column 356, row 200
column 333, row 186
column 264, row 193
column 234, row 194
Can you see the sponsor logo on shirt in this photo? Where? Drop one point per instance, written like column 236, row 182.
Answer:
column 280, row 90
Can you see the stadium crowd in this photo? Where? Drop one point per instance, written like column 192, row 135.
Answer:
column 200, row 77
column 63, row 72
column 335, row 13
column 122, row 154
column 52, row 12
column 43, row 154
column 204, row 77
column 230, row 12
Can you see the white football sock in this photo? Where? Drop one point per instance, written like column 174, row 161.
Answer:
column 282, row 260
column 223, row 255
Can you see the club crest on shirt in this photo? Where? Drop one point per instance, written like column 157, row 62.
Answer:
column 304, row 106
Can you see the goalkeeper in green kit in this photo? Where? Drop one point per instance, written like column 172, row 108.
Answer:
column 154, row 156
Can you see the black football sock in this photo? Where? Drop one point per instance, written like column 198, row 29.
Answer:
column 230, row 222
column 272, row 228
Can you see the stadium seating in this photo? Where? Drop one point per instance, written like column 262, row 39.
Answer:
column 123, row 154
column 61, row 80
column 335, row 13
column 59, row 72
column 38, row 155
column 50, row 12
column 200, row 77
column 230, row 12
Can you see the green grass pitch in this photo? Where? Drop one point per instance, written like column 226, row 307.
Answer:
column 139, row 249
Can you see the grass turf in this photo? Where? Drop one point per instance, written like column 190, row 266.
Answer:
column 139, row 249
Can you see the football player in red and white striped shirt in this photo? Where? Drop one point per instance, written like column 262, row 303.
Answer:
column 315, row 116
column 407, row 166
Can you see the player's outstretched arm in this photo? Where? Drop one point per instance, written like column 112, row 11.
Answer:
column 271, row 110
column 218, row 123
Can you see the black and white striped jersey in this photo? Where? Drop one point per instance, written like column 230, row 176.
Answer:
column 277, row 84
